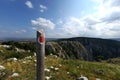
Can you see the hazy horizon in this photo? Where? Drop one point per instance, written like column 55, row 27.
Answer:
column 4, row 38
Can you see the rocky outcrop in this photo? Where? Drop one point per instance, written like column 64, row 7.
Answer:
column 68, row 50
column 84, row 48
column 100, row 48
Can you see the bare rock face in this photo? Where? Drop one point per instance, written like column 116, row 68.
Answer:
column 68, row 50
column 92, row 49
column 55, row 48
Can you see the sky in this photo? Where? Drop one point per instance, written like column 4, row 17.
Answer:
column 60, row 18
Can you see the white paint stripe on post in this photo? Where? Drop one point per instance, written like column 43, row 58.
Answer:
column 40, row 54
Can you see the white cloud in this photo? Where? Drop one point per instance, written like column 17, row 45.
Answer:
column 90, row 27
column 42, row 8
column 42, row 23
column 108, row 13
column 20, row 31
column 106, row 8
column 104, row 22
column 60, row 21
column 34, row 28
column 74, row 27
column 29, row 4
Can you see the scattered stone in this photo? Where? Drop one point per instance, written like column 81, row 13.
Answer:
column 60, row 65
column 35, row 60
column 98, row 79
column 82, row 78
column 5, row 46
column 15, row 75
column 56, row 69
column 24, row 62
column 47, row 77
column 19, row 50
column 29, row 57
column 34, row 53
column 12, row 59
column 51, row 67
column 47, row 70
column 56, row 56
column 51, row 54
column 2, row 67
column 68, row 72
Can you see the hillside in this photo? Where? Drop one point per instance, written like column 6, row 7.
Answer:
column 57, row 69
column 84, row 48
column 90, row 49
column 18, row 62
column 68, row 50
column 117, row 39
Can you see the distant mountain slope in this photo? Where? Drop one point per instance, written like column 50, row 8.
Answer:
column 23, row 39
column 117, row 39
column 85, row 48
column 68, row 49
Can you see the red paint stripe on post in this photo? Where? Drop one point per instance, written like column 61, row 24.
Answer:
column 42, row 39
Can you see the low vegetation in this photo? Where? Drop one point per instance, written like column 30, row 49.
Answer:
column 20, row 64
column 21, row 45
column 58, row 69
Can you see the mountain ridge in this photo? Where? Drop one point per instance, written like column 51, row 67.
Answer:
column 94, row 48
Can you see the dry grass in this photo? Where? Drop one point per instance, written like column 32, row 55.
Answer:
column 59, row 69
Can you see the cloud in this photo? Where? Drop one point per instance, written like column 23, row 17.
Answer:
column 29, row 4
column 42, row 8
column 60, row 21
column 107, row 9
column 90, row 27
column 42, row 23
column 74, row 27
column 113, row 16
column 113, row 3
column 104, row 22
column 90, row 20
column 20, row 31
column 34, row 28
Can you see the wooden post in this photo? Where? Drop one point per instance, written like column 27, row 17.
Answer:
column 40, row 54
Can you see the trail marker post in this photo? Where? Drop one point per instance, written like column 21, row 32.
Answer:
column 40, row 54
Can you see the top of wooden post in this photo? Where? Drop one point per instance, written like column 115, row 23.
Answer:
column 41, row 36
column 41, row 31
